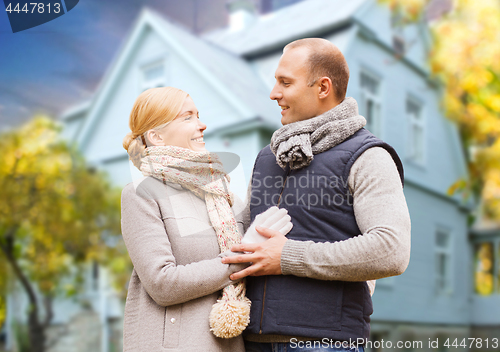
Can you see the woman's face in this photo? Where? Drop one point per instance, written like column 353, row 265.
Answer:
column 186, row 130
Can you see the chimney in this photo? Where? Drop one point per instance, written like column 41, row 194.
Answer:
column 242, row 13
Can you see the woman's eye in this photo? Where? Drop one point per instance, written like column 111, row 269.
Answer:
column 188, row 117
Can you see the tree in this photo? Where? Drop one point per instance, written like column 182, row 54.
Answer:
column 56, row 214
column 3, row 283
column 465, row 57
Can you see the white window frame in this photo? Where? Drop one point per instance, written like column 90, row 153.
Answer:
column 415, row 122
column 374, row 123
column 443, row 281
column 160, row 81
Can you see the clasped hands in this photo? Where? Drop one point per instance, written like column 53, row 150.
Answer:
column 262, row 244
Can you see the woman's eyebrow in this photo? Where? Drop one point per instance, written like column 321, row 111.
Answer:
column 188, row 112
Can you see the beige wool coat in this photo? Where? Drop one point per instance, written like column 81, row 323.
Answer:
column 178, row 273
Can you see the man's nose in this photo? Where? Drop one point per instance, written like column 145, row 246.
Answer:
column 275, row 93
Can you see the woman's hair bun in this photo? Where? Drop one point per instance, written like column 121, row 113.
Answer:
column 135, row 148
column 127, row 140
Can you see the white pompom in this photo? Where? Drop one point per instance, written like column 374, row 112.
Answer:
column 229, row 318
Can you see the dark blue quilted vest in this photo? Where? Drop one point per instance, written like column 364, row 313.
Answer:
column 317, row 198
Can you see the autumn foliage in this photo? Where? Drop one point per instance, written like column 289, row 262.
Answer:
column 465, row 56
column 56, row 215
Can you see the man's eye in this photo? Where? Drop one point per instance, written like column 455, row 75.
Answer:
column 286, row 83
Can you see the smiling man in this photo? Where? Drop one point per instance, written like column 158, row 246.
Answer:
column 343, row 188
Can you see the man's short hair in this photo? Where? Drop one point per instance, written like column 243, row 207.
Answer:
column 325, row 60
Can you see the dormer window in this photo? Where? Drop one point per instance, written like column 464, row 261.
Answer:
column 153, row 75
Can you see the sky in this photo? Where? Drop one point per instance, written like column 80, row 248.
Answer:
column 59, row 64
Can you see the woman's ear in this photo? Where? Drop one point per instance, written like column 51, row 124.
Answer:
column 153, row 138
column 325, row 87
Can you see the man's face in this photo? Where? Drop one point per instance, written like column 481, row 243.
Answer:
column 298, row 101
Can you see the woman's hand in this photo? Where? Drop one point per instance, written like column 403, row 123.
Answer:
column 274, row 219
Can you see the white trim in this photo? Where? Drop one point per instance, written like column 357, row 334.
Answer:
column 160, row 81
column 147, row 18
column 242, row 109
column 375, row 125
column 112, row 75
column 74, row 110
column 447, row 252
column 413, row 122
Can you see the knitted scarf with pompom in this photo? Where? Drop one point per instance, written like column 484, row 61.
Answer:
column 203, row 174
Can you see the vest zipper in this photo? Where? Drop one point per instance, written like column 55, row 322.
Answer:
column 265, row 280
column 263, row 303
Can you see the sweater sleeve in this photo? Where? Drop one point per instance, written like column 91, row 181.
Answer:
column 149, row 248
column 383, row 247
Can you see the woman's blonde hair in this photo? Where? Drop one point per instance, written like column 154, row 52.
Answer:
column 152, row 109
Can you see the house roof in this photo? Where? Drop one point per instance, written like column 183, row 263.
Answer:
column 76, row 110
column 283, row 26
column 219, row 56
column 232, row 71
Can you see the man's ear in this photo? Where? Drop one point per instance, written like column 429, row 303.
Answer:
column 154, row 138
column 325, row 87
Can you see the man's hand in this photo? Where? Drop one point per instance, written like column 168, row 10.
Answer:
column 264, row 256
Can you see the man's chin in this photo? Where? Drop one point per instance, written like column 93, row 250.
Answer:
column 285, row 120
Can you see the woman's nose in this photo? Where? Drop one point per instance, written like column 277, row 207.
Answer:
column 201, row 126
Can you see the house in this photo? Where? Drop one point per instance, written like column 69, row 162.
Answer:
column 229, row 73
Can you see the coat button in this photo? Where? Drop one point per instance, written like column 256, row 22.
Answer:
column 172, row 320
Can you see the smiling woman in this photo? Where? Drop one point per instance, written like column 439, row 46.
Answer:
column 175, row 225
column 185, row 131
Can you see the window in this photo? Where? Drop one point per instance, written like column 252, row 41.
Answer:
column 95, row 276
column 443, row 261
column 416, row 131
column 370, row 102
column 153, row 76
column 398, row 44
column 397, row 27
column 484, row 268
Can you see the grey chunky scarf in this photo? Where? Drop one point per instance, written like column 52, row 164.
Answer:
column 297, row 142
